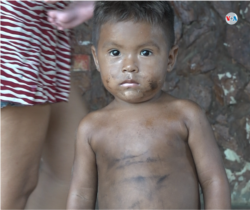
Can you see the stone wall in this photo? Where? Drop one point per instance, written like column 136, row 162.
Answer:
column 213, row 69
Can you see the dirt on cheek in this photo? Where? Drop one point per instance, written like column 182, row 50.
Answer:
column 107, row 80
column 153, row 85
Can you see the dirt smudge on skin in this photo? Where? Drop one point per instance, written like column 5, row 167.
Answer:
column 149, row 122
column 125, row 161
column 135, row 205
column 162, row 179
column 151, row 160
column 153, row 85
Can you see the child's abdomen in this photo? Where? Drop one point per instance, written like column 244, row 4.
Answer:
column 152, row 184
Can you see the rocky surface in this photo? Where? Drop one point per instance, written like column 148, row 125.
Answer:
column 212, row 69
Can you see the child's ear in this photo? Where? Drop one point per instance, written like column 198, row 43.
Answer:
column 172, row 56
column 94, row 53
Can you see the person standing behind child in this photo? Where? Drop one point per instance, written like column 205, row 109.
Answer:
column 35, row 118
column 146, row 149
column 54, row 177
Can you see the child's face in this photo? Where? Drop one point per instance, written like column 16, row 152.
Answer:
column 133, row 59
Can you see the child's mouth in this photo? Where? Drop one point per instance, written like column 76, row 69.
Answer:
column 129, row 83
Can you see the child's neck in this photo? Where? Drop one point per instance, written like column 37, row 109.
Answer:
column 124, row 104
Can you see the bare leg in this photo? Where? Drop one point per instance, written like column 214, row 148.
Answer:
column 58, row 154
column 23, row 131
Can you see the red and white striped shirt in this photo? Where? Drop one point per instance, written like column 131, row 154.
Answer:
column 35, row 57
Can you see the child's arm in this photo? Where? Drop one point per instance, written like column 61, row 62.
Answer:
column 83, row 188
column 207, row 159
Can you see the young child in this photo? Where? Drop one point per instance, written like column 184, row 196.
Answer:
column 146, row 149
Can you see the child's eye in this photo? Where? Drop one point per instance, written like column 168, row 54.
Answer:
column 145, row 53
column 114, row 52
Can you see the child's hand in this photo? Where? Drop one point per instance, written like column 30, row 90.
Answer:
column 51, row 1
column 72, row 16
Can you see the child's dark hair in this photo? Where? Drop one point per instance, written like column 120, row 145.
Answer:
column 154, row 12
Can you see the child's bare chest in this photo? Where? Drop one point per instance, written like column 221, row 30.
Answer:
column 130, row 141
column 146, row 159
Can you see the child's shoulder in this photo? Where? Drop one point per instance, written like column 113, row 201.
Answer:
column 94, row 119
column 188, row 109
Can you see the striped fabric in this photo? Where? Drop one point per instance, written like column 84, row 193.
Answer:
column 35, row 57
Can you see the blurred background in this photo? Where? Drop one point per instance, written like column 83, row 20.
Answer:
column 212, row 69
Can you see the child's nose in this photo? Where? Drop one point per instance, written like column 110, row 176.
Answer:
column 130, row 66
